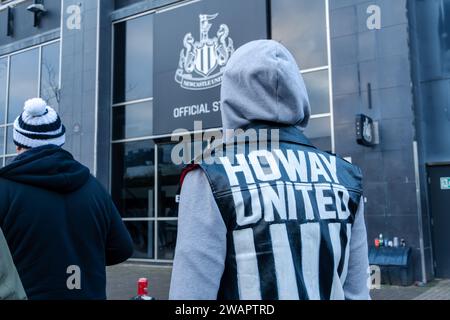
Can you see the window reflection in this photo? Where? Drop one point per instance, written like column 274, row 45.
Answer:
column 318, row 90
column 168, row 182
column 24, row 75
column 8, row 160
column 3, row 83
column 133, row 178
column 10, row 146
column 135, row 120
column 133, row 59
column 301, row 26
column 2, row 140
column 167, row 236
column 319, row 132
column 142, row 234
column 50, row 74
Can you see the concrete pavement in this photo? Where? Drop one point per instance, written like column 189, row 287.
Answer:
column 122, row 281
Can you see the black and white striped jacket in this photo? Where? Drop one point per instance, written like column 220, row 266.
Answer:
column 288, row 209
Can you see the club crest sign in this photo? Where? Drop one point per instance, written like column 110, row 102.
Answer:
column 201, row 62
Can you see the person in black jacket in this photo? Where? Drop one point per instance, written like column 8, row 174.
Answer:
column 60, row 224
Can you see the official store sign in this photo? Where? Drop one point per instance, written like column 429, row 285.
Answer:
column 193, row 44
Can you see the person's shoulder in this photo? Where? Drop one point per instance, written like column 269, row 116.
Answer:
column 94, row 188
column 95, row 185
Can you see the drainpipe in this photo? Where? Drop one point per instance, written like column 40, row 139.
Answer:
column 419, row 212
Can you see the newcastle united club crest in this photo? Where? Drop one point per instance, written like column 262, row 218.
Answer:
column 202, row 62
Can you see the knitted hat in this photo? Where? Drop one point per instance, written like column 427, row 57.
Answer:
column 38, row 125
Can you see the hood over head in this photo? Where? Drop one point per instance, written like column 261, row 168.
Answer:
column 262, row 82
column 48, row 167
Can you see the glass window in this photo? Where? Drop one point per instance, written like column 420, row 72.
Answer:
column 9, row 160
column 318, row 91
column 23, row 69
column 10, row 146
column 133, row 178
column 23, row 84
column 133, row 59
column 301, row 26
column 143, row 236
column 2, row 140
column 134, row 120
column 167, row 237
column 50, row 74
column 3, row 84
column 319, row 132
column 168, row 181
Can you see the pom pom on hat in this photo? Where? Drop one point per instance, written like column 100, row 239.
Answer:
column 35, row 107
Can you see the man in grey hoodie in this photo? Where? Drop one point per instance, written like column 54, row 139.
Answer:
column 289, row 227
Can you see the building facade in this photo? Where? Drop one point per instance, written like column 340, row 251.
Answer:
column 119, row 72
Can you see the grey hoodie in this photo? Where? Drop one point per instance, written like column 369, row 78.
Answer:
column 261, row 82
column 10, row 284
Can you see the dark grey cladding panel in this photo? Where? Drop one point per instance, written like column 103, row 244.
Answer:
column 78, row 81
column 398, row 166
column 367, row 45
column 394, row 102
column 345, row 50
column 23, row 21
column 389, row 103
column 401, row 199
column 386, row 72
column 375, row 192
column 343, row 21
column 396, row 133
column 393, row 40
column 345, row 79
column 373, row 166
column 336, row 4
column 346, row 107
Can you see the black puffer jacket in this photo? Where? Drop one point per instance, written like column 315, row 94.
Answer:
column 56, row 215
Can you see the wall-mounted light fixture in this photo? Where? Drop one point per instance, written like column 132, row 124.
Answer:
column 38, row 10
